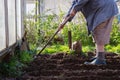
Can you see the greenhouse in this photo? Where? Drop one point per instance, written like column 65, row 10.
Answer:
column 59, row 39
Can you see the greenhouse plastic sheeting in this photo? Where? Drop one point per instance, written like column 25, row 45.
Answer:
column 30, row 8
column 49, row 6
column 2, row 26
column 11, row 22
column 57, row 5
column 18, row 4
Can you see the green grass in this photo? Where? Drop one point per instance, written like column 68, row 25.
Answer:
column 111, row 48
column 56, row 48
column 64, row 48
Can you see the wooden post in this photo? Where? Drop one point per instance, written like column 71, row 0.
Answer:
column 69, row 39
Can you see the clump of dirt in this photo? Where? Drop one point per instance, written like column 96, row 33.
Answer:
column 62, row 66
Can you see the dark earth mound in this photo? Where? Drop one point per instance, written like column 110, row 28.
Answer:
column 70, row 67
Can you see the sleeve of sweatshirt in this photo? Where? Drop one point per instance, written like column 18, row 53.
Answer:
column 73, row 3
column 77, row 6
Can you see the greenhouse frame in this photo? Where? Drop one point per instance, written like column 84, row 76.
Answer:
column 11, row 24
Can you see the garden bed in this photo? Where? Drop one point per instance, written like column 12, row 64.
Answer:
column 62, row 66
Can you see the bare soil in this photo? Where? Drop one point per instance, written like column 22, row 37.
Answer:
column 62, row 66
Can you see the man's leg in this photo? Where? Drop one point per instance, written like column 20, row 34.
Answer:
column 100, row 56
column 101, row 36
column 100, row 52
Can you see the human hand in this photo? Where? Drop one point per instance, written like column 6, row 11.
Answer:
column 72, row 13
column 66, row 19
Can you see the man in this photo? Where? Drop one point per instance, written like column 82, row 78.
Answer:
column 99, row 15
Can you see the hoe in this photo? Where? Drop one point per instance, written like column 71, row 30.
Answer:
column 66, row 20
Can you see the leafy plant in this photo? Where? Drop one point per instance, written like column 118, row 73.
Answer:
column 25, row 57
column 13, row 68
column 115, row 35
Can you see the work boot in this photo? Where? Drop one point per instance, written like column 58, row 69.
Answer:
column 93, row 58
column 97, row 61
